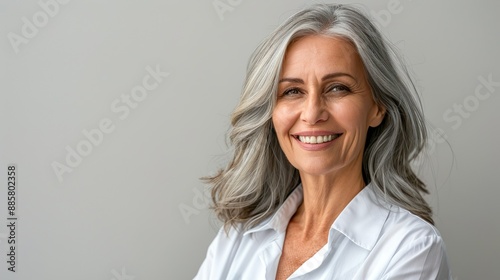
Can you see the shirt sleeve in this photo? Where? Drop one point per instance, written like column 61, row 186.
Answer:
column 424, row 258
column 206, row 267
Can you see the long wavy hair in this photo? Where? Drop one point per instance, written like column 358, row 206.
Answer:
column 258, row 178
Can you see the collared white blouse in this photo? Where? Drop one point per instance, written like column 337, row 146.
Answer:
column 370, row 239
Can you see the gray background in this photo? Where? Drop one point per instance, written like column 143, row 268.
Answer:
column 118, row 213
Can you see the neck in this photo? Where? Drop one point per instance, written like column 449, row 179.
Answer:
column 324, row 199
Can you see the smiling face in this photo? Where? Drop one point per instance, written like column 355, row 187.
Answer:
column 324, row 107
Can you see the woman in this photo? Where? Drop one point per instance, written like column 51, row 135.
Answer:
column 320, row 184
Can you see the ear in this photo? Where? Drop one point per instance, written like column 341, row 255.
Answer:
column 377, row 115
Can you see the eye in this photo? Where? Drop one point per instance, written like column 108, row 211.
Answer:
column 291, row 91
column 339, row 88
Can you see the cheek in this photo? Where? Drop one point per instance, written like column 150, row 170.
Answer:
column 282, row 120
column 351, row 116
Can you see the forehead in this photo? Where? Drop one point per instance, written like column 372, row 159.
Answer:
column 321, row 53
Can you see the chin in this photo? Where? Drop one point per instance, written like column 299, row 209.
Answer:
column 317, row 170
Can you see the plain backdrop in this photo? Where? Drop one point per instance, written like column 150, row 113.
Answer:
column 112, row 110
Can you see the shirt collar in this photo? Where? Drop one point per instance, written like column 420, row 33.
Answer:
column 361, row 220
column 279, row 221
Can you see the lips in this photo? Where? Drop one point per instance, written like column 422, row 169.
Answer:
column 317, row 139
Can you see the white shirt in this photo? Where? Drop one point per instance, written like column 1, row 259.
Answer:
column 370, row 239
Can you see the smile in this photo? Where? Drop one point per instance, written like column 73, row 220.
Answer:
column 317, row 139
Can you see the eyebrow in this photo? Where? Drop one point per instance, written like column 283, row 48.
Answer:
column 326, row 77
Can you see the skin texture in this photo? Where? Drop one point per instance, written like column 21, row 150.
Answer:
column 323, row 89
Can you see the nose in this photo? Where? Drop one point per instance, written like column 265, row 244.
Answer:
column 314, row 109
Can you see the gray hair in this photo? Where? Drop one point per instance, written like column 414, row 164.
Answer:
column 258, row 178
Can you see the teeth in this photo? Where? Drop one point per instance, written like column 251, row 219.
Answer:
column 317, row 139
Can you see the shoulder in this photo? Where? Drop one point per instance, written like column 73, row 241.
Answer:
column 230, row 254
column 413, row 247
column 224, row 241
column 221, row 248
column 391, row 220
column 401, row 222
column 370, row 221
column 401, row 245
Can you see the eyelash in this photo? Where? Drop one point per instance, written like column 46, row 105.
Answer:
column 297, row 90
column 344, row 88
column 288, row 91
